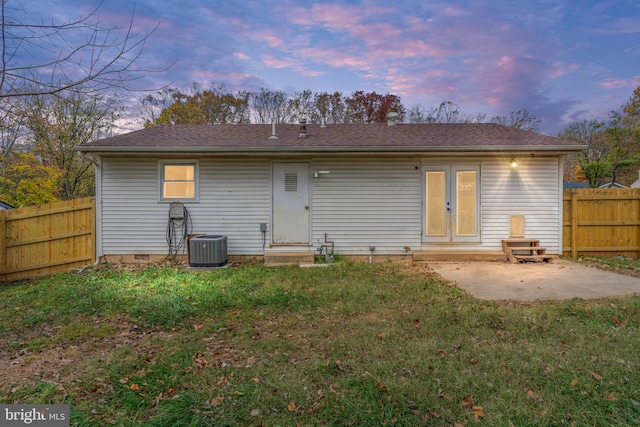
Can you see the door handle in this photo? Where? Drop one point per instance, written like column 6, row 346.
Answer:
column 306, row 207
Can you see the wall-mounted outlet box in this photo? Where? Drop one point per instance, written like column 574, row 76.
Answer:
column 263, row 227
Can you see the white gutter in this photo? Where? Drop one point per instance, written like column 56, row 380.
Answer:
column 323, row 150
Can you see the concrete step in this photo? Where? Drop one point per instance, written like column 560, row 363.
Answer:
column 277, row 258
column 434, row 255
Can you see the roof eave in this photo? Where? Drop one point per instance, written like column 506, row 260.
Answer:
column 320, row 150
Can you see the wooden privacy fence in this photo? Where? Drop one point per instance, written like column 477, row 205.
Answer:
column 601, row 222
column 46, row 239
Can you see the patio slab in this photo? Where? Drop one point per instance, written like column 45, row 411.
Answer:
column 559, row 280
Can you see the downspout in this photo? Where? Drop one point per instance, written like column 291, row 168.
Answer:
column 97, row 163
column 561, row 204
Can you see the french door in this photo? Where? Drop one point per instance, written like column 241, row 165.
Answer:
column 452, row 203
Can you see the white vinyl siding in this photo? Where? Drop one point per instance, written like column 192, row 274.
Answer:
column 363, row 203
column 234, row 200
column 360, row 203
column 531, row 190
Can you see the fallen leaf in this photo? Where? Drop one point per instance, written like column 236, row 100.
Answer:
column 381, row 386
column 574, row 383
column 617, row 322
column 135, row 387
column 532, row 395
column 442, row 352
column 217, row 401
column 292, row 406
column 256, row 412
column 478, row 411
column 255, row 380
column 596, row 376
column 611, row 397
column 238, row 393
column 467, row 400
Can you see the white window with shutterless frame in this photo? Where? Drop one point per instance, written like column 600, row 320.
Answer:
column 178, row 180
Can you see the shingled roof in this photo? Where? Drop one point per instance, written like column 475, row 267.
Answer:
column 371, row 138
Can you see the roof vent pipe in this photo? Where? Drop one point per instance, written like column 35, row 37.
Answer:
column 303, row 128
column 273, row 131
column 323, row 122
column 392, row 118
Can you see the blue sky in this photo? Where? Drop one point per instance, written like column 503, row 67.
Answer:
column 562, row 60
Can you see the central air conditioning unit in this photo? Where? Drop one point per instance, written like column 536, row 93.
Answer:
column 208, row 251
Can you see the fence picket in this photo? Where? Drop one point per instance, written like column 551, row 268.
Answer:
column 39, row 240
column 602, row 222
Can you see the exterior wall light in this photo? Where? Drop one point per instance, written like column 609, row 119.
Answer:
column 513, row 163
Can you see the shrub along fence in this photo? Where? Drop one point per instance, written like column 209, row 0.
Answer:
column 45, row 239
column 601, row 222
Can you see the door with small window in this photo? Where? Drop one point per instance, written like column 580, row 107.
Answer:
column 452, row 204
column 290, row 189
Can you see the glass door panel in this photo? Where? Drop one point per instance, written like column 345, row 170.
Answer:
column 452, row 201
column 466, row 203
column 436, row 199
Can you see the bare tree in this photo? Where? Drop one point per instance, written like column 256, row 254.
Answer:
column 56, row 124
column 270, row 106
column 520, row 119
column 446, row 112
column 301, row 106
column 82, row 55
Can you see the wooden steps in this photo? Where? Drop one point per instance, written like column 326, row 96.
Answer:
column 525, row 250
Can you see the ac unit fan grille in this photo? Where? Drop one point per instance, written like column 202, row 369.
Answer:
column 208, row 251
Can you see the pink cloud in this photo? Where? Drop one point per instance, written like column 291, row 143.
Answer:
column 613, row 83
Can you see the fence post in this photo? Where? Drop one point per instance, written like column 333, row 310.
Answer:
column 574, row 224
column 3, row 244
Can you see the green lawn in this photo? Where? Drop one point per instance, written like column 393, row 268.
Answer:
column 353, row 344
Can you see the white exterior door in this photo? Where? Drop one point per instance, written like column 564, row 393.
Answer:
column 452, row 204
column 290, row 189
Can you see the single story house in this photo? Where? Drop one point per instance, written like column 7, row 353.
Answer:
column 380, row 190
column 5, row 206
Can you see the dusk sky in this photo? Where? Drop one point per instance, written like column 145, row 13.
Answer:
column 562, row 60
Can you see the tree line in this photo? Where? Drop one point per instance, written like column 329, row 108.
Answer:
column 39, row 132
column 613, row 146
column 217, row 105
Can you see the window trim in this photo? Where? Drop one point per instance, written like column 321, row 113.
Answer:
column 196, row 180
